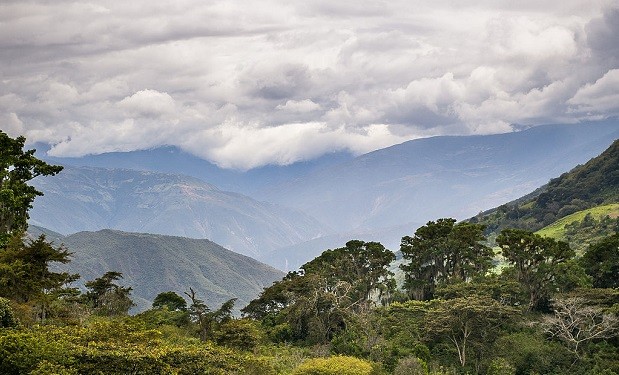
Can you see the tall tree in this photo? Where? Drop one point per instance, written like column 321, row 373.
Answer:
column 107, row 297
column 535, row 261
column 25, row 274
column 442, row 251
column 362, row 265
column 317, row 302
column 17, row 168
column 470, row 324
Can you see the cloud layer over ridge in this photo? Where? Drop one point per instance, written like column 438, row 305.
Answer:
column 245, row 83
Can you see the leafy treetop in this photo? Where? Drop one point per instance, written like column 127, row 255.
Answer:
column 17, row 167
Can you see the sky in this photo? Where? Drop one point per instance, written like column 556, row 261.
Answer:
column 249, row 83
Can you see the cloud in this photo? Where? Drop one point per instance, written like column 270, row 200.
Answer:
column 244, row 86
column 598, row 99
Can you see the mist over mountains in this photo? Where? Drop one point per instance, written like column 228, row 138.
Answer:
column 391, row 190
column 90, row 199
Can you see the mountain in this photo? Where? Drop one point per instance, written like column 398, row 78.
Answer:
column 88, row 199
column 172, row 160
column 152, row 264
column 456, row 176
column 593, row 184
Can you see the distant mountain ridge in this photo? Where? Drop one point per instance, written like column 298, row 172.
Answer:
column 425, row 179
column 86, row 198
column 152, row 264
column 172, row 160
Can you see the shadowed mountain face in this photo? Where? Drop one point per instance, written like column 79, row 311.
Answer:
column 81, row 199
column 152, row 264
column 430, row 178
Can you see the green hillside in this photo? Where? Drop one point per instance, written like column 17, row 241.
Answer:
column 584, row 227
column 593, row 184
column 152, row 264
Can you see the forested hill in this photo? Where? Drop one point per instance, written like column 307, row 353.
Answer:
column 152, row 264
column 589, row 185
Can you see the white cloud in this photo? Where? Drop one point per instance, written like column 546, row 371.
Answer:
column 245, row 85
column 299, row 106
column 601, row 97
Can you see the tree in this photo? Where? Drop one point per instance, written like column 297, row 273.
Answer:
column 108, row 298
column 26, row 277
column 206, row 319
column 442, row 251
column 317, row 302
column 601, row 262
column 17, row 167
column 362, row 265
column 575, row 323
column 535, row 260
column 471, row 324
column 171, row 301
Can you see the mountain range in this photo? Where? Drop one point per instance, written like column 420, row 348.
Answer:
column 313, row 206
column 90, row 199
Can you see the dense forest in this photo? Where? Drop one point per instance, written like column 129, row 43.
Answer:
column 529, row 305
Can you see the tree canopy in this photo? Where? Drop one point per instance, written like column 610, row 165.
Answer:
column 17, row 168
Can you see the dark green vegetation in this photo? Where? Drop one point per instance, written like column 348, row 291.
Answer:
column 546, row 311
column 593, row 184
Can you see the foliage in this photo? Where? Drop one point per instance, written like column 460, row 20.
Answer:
column 339, row 365
column 243, row 334
column 601, row 262
column 529, row 352
column 17, row 168
column 171, row 301
column 7, row 318
column 584, row 227
column 108, row 298
column 315, row 304
column 535, row 260
column 27, row 279
column 470, row 324
column 440, row 252
column 361, row 265
column 411, row 366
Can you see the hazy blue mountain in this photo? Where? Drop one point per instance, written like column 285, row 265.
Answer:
column 436, row 177
column 79, row 199
column 152, row 264
column 175, row 161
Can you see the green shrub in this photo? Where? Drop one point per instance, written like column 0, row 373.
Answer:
column 7, row 318
column 411, row 366
column 339, row 365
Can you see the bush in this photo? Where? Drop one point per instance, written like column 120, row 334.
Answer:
column 7, row 318
column 339, row 365
column 411, row 366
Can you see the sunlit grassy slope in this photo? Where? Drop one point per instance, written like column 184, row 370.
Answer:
column 580, row 230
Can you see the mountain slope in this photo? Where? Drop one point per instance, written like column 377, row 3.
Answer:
column 592, row 184
column 79, row 199
column 442, row 176
column 584, row 227
column 152, row 264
